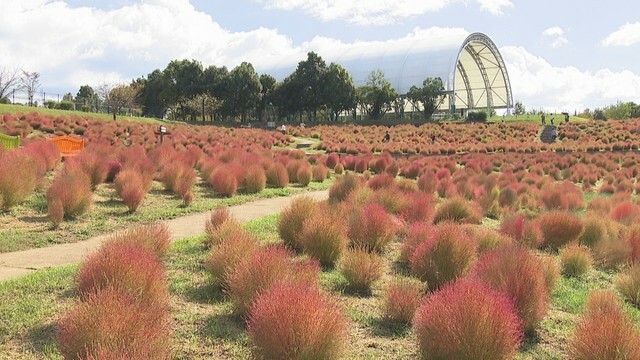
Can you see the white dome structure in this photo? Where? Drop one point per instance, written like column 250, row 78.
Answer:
column 472, row 70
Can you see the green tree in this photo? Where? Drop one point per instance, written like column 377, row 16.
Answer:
column 243, row 91
column 119, row 97
column 204, row 105
column 87, row 98
column 339, row 92
column 156, row 94
column 519, row 109
column 268, row 85
column 185, row 80
column 377, row 96
column 429, row 95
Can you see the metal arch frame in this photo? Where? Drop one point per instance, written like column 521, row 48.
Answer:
column 490, row 45
column 467, row 84
column 475, row 55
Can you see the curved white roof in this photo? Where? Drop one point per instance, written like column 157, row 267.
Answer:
column 471, row 67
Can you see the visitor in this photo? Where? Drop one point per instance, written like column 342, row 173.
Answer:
column 544, row 122
column 554, row 134
column 387, row 137
column 566, row 117
column 553, row 117
column 302, row 125
column 283, row 129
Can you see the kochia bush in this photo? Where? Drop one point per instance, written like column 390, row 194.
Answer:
column 292, row 220
column 372, row 228
column 559, row 228
column 361, row 269
column 467, row 320
column 292, row 320
column 401, row 299
column 324, row 237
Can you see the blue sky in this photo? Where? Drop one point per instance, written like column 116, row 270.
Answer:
column 561, row 55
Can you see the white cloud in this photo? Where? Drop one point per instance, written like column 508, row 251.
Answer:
column 375, row 12
column 495, row 6
column 540, row 85
column 557, row 35
column 627, row 35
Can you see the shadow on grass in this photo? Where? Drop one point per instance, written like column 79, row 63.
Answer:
column 389, row 329
column 43, row 219
column 42, row 339
column 209, row 293
column 226, row 327
column 531, row 340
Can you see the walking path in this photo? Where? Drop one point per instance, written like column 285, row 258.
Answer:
column 20, row 263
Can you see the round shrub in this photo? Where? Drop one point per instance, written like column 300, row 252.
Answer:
column 217, row 218
column 444, row 257
column 129, row 267
column 15, row 189
column 304, row 174
column 457, row 210
column 519, row 274
column 380, row 181
column 320, row 173
column 343, row 186
column 625, row 212
column 155, row 237
column 223, row 181
column 113, row 324
column 226, row 230
column 324, row 237
column 291, row 320
column 467, row 320
column 263, row 268
column 228, row 253
column 72, row 189
column 401, row 299
column 361, row 269
column 416, row 234
column 595, row 229
column 575, row 260
column 277, row 175
column 372, row 228
column 628, row 283
column 427, row 183
column 129, row 184
column 292, row 219
column 255, row 180
column 604, row 331
column 338, row 169
column 559, row 228
column 487, row 239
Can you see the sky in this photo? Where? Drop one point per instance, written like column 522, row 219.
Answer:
column 561, row 55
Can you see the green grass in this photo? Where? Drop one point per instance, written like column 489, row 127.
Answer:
column 12, row 109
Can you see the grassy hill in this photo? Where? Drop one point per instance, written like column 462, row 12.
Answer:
column 12, row 109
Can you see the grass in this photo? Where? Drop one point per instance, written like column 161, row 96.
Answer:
column 204, row 326
column 12, row 109
column 26, row 226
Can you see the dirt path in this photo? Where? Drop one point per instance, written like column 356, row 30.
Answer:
column 19, row 263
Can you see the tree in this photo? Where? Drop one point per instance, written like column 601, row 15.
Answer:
column 377, row 96
column 67, row 97
column 119, row 97
column 243, row 91
column 429, row 95
column 87, row 98
column 268, row 85
column 519, row 109
column 309, row 75
column 184, row 81
column 30, row 83
column 156, row 94
column 203, row 104
column 339, row 92
column 8, row 79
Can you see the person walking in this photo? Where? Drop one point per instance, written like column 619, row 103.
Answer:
column 544, row 122
column 387, row 137
column 283, row 129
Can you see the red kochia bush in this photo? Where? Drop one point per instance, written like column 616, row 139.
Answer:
column 324, row 237
column 604, row 331
column 112, row 323
column 129, row 184
column 457, row 210
column 223, row 181
column 255, row 179
column 296, row 321
column 522, row 230
column 401, row 300
column 444, row 257
column 467, row 320
column 416, row 234
column 519, row 274
column 129, row 267
column 625, row 212
column 72, row 190
column 559, row 228
column 94, row 165
column 155, row 237
column 343, row 186
column 19, row 176
column 304, row 174
column 216, row 219
column 263, row 268
column 230, row 251
column 372, row 228
column 277, row 175
column 361, row 269
column 292, row 220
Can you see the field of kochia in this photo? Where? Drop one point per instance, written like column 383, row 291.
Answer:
column 463, row 241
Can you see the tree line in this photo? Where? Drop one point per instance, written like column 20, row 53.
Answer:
column 186, row 90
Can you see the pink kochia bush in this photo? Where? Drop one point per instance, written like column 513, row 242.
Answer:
column 401, row 299
column 69, row 195
column 467, row 320
column 559, row 228
column 19, row 177
column 604, row 331
column 444, row 257
column 262, row 269
column 292, row 219
column 324, row 237
column 130, row 185
column 372, row 228
column 519, row 274
column 223, row 181
column 292, row 320
column 113, row 324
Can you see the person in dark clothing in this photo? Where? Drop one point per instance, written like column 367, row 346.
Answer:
column 387, row 137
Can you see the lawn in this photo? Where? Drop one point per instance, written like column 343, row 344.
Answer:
column 12, row 109
column 204, row 326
